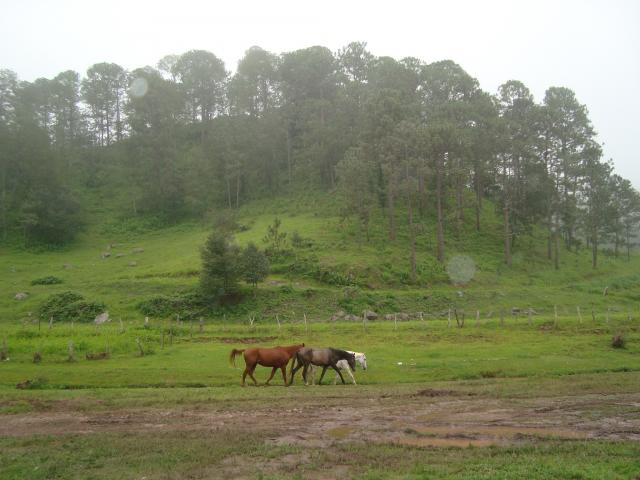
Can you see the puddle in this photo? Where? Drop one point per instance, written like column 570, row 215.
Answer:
column 444, row 442
column 339, row 432
column 500, row 432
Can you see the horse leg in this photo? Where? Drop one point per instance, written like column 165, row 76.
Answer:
column 273, row 372
column 305, row 371
column 244, row 375
column 335, row 379
column 294, row 370
column 250, row 372
column 283, row 369
column 352, row 377
column 324, row 369
column 338, row 372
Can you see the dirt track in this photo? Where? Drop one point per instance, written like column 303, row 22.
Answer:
column 427, row 418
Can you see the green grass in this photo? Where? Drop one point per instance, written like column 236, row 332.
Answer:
column 192, row 455
column 414, row 352
column 183, row 368
column 514, row 361
column 170, row 265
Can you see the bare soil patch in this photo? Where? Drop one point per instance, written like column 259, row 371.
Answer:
column 427, row 418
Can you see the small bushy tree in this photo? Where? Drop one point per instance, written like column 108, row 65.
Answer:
column 221, row 267
column 275, row 238
column 255, row 266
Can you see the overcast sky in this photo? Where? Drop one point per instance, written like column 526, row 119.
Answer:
column 591, row 47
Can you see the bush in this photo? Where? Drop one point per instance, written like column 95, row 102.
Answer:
column 188, row 306
column 70, row 306
column 50, row 280
column 617, row 341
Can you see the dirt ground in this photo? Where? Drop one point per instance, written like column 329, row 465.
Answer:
column 425, row 418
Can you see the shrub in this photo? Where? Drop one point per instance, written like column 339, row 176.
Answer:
column 617, row 341
column 70, row 306
column 50, row 280
column 188, row 306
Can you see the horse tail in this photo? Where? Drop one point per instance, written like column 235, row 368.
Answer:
column 232, row 356
column 293, row 363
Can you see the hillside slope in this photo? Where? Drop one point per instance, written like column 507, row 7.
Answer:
column 334, row 268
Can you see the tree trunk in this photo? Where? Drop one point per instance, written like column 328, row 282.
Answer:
column 440, row 229
column 4, row 204
column 391, row 207
column 507, row 236
column 459, row 200
column 118, row 124
column 411, row 230
column 421, row 195
column 549, row 236
column 238, row 191
column 478, row 185
column 289, row 152
column 556, row 246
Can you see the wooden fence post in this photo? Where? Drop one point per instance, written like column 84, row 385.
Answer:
column 477, row 318
column 449, row 318
column 529, row 316
column 278, row 320
column 70, row 351
column 201, row 322
column 579, row 314
column 395, row 321
column 555, row 316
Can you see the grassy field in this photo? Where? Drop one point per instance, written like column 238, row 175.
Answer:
column 151, row 416
column 312, row 279
column 408, row 352
column 506, row 396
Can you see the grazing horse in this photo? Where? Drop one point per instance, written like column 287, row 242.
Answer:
column 276, row 357
column 321, row 357
column 361, row 358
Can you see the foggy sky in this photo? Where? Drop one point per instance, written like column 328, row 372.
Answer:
column 591, row 47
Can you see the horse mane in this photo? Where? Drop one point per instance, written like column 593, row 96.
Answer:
column 343, row 353
column 293, row 348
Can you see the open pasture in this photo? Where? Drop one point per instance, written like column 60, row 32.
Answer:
column 485, row 401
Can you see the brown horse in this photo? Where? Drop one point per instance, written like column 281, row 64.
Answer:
column 276, row 357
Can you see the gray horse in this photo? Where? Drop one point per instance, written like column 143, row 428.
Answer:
column 320, row 357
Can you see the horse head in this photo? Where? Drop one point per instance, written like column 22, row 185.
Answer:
column 362, row 360
column 351, row 360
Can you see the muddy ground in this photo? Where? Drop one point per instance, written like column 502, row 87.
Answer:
column 423, row 418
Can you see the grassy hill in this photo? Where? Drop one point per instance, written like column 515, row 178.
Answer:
column 335, row 268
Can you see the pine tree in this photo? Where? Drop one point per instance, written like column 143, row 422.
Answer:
column 220, row 267
column 255, row 266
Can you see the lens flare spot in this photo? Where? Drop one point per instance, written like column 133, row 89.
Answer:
column 461, row 269
column 139, row 87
